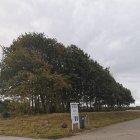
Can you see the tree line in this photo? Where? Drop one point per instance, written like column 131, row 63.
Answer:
column 41, row 75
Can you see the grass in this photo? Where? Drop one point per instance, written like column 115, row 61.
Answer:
column 49, row 126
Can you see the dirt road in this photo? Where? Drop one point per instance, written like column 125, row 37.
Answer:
column 129, row 130
column 123, row 131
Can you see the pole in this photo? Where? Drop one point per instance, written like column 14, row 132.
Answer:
column 72, row 126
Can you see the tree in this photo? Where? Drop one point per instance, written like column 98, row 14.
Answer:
column 29, row 79
column 45, row 76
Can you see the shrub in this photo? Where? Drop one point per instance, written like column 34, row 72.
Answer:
column 6, row 114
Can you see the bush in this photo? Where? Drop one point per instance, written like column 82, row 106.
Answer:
column 6, row 114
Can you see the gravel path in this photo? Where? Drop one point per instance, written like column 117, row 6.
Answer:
column 15, row 138
column 129, row 130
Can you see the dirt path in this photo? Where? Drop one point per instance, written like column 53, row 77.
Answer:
column 123, row 131
column 15, row 138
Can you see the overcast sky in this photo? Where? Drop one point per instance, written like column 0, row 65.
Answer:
column 108, row 30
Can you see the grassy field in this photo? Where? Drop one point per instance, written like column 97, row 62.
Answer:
column 49, row 126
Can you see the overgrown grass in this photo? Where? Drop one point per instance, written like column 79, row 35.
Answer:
column 49, row 126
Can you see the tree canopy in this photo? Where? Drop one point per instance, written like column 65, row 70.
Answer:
column 39, row 74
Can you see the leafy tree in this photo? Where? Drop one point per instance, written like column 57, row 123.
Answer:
column 40, row 74
column 29, row 78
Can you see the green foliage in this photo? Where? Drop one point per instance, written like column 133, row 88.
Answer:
column 5, row 114
column 41, row 75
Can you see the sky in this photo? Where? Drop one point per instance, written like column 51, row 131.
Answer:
column 108, row 30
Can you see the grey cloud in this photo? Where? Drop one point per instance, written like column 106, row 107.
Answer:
column 108, row 30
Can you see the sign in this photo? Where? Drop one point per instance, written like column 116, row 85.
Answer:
column 74, row 114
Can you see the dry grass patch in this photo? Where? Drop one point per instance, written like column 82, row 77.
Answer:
column 49, row 126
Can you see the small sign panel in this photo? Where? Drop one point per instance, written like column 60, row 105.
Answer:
column 74, row 114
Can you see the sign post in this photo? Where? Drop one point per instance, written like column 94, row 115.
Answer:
column 74, row 114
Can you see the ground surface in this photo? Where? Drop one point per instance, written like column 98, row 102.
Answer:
column 49, row 125
column 129, row 130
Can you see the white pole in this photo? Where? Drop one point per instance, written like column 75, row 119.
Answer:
column 78, row 122
column 72, row 126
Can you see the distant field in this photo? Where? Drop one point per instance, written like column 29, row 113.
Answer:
column 49, row 126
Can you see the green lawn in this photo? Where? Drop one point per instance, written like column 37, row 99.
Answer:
column 49, row 126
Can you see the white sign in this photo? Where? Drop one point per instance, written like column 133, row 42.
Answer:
column 74, row 113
